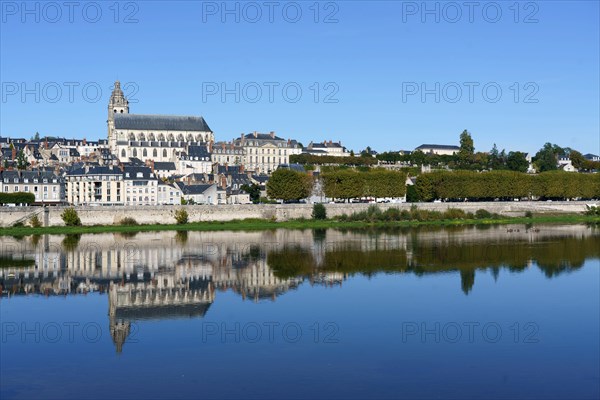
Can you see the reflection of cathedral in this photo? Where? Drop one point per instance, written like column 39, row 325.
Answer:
column 165, row 295
column 165, row 275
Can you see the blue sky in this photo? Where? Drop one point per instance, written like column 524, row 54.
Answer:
column 370, row 61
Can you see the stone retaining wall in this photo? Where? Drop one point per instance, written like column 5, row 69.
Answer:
column 102, row 215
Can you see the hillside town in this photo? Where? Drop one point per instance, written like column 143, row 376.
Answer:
column 171, row 160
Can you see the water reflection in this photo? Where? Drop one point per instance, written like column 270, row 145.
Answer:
column 166, row 275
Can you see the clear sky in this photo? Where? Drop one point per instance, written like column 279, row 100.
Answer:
column 390, row 74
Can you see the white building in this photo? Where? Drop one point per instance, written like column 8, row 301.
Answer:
column 151, row 137
column 439, row 149
column 46, row 186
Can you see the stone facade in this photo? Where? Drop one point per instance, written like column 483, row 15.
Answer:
column 151, row 137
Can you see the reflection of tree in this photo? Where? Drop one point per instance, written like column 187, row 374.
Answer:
column 126, row 234
column 35, row 239
column 71, row 241
column 290, row 262
column 553, row 257
column 319, row 235
column 467, row 280
column 181, row 237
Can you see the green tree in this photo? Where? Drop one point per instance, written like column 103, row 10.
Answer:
column 253, row 190
column 319, row 211
column 287, row 184
column 516, row 161
column 467, row 149
column 22, row 162
column 546, row 158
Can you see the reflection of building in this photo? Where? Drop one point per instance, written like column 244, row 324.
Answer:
column 167, row 295
column 156, row 275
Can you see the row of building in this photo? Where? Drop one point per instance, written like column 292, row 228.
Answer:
column 147, row 160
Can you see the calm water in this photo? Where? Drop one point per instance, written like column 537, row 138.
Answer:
column 417, row 313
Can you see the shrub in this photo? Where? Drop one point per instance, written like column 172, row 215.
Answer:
column 70, row 217
column 528, row 214
column 35, row 222
column 319, row 211
column 128, row 221
column 181, row 216
column 483, row 214
column 454, row 213
column 593, row 211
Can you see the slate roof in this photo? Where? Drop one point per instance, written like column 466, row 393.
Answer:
column 94, row 170
column 168, row 166
column 197, row 151
column 229, row 169
column 261, row 136
column 438, row 147
column 30, row 175
column 133, row 172
column 293, row 167
column 195, row 189
column 160, row 122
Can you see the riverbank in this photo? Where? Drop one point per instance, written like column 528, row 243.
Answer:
column 164, row 215
column 257, row 224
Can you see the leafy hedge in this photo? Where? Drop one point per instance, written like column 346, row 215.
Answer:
column 17, row 198
column 310, row 159
column 350, row 184
column 506, row 185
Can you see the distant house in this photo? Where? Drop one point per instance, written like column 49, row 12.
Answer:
column 591, row 157
column 46, row 186
column 565, row 164
column 326, row 148
column 439, row 149
column 169, row 194
column 199, row 194
column 293, row 167
column 164, row 169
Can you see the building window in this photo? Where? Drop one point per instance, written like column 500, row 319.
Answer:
column 123, row 154
column 165, row 153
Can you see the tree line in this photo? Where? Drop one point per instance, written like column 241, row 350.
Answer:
column 506, row 185
column 17, row 198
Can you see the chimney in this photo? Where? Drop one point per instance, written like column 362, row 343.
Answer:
column 272, row 133
column 255, row 134
column 14, row 153
column 210, row 147
column 330, row 142
column 84, row 142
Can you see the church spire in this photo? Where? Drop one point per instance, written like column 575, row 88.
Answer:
column 118, row 104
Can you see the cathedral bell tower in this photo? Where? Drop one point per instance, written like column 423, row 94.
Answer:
column 117, row 104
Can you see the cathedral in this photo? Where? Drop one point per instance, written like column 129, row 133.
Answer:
column 151, row 137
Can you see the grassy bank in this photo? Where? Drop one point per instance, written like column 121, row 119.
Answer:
column 256, row 224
